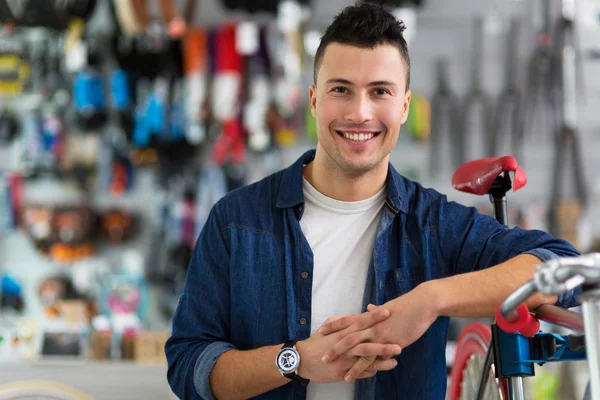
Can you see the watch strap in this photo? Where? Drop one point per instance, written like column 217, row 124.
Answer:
column 294, row 375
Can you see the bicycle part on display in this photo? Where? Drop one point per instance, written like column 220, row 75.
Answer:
column 15, row 76
column 258, row 68
column 120, row 90
column 11, row 294
column 117, row 226
column 567, row 150
column 9, row 126
column 555, row 277
column 445, row 144
column 11, row 199
column 269, row 6
column 477, row 176
column 195, row 53
column 559, row 276
column 287, row 71
column 125, row 15
column 540, row 78
column 230, row 144
column 491, row 176
column 177, row 22
column 55, row 14
column 142, row 15
column 469, row 362
column 53, row 289
column 505, row 139
column 63, row 233
column 37, row 222
column 476, row 137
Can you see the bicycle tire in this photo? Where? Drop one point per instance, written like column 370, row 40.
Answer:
column 46, row 390
column 468, row 361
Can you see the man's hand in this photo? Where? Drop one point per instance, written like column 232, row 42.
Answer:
column 410, row 316
column 365, row 355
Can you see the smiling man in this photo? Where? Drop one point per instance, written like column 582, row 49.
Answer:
column 338, row 233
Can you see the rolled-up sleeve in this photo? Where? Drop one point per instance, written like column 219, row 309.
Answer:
column 567, row 299
column 204, row 365
column 200, row 331
column 471, row 241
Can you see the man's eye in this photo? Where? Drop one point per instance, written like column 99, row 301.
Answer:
column 381, row 92
column 339, row 89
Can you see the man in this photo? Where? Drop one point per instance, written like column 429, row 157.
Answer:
column 338, row 230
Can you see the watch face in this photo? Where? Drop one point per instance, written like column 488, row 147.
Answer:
column 288, row 360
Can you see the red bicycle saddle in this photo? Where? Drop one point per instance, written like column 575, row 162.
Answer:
column 476, row 176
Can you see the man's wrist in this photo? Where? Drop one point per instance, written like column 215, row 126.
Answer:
column 434, row 292
column 302, row 370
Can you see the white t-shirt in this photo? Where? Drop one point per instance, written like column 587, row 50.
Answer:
column 341, row 235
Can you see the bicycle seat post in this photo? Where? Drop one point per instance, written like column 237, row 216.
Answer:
column 497, row 192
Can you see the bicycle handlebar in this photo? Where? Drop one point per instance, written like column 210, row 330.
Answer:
column 521, row 321
column 554, row 277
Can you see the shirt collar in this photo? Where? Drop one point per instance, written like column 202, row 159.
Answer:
column 290, row 191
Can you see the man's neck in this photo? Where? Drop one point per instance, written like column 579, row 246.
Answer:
column 326, row 176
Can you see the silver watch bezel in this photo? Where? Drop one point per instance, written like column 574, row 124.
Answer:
column 280, row 359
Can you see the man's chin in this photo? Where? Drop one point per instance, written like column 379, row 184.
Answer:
column 358, row 168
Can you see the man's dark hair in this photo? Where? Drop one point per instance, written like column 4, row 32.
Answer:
column 365, row 26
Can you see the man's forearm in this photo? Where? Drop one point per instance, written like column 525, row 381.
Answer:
column 478, row 294
column 244, row 374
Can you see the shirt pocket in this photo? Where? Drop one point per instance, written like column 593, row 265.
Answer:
column 408, row 271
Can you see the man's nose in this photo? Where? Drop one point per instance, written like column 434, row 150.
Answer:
column 360, row 109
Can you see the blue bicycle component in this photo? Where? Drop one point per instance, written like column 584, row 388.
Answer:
column 89, row 93
column 515, row 354
column 120, row 90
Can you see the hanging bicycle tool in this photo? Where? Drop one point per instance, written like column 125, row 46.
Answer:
column 445, row 146
column 259, row 97
column 288, row 72
column 195, row 58
column 125, row 15
column 478, row 118
column 89, row 90
column 539, row 84
column 142, row 15
column 230, row 144
column 561, row 222
column 15, row 72
column 509, row 106
column 55, row 14
column 177, row 23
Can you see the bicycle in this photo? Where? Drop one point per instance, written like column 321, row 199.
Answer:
column 491, row 176
column 492, row 362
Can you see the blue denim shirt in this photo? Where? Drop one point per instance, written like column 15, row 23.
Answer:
column 245, row 288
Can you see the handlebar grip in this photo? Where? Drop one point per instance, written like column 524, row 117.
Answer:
column 525, row 323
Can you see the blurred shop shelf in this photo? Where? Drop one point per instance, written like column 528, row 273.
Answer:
column 100, row 380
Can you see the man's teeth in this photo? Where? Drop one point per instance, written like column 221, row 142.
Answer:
column 358, row 137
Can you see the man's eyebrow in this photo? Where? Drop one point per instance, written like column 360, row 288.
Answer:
column 339, row 80
column 347, row 82
column 382, row 83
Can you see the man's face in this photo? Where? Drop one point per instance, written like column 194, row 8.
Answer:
column 359, row 103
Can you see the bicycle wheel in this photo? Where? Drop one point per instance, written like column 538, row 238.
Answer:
column 468, row 364
column 40, row 390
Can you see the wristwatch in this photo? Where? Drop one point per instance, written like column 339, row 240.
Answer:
column 288, row 362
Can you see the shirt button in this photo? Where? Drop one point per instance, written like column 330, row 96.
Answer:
column 304, row 275
column 302, row 321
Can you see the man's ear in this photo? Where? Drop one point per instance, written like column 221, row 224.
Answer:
column 312, row 95
column 406, row 106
